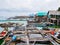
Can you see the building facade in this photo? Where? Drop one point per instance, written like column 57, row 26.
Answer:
column 54, row 17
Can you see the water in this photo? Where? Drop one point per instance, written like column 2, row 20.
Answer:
column 13, row 21
column 1, row 29
column 40, row 28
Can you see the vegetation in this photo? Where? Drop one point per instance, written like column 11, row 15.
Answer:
column 59, row 9
column 1, row 41
column 56, row 26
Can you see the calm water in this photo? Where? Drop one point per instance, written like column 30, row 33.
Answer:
column 21, row 22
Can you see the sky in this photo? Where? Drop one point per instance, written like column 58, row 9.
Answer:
column 24, row 7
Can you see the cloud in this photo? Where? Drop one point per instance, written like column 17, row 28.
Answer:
column 15, row 4
column 17, row 7
column 34, row 5
column 45, row 5
column 16, row 10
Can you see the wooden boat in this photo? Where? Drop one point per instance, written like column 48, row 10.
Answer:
column 3, row 34
column 39, row 40
column 56, row 39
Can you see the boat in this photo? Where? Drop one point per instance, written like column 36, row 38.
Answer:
column 39, row 40
column 57, row 40
column 3, row 34
column 56, row 37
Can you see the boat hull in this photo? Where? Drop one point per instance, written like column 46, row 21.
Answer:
column 57, row 40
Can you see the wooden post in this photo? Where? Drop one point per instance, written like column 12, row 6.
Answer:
column 27, row 37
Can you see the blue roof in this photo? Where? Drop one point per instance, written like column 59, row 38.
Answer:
column 41, row 13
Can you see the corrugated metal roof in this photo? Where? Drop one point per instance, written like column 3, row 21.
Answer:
column 53, row 12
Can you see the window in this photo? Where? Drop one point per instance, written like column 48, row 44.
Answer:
column 52, row 16
column 57, row 16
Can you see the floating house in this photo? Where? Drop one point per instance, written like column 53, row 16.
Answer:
column 54, row 17
column 40, row 17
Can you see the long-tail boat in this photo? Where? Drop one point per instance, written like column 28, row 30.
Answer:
column 3, row 34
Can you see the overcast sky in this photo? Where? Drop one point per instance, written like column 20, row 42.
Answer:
column 17, row 7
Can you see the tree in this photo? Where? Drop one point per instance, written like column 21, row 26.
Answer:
column 59, row 9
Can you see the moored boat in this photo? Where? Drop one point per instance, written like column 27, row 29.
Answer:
column 56, row 37
column 3, row 34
